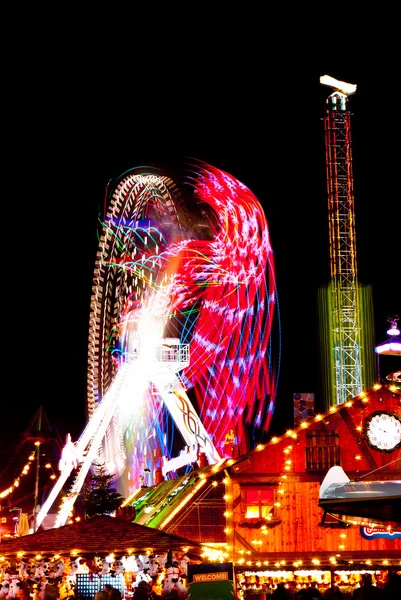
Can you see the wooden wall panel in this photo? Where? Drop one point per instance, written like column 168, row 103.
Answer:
column 299, row 530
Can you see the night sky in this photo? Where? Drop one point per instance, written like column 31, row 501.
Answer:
column 83, row 118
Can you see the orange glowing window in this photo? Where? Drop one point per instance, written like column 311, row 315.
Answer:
column 258, row 502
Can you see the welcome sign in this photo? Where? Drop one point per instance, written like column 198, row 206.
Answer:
column 211, row 581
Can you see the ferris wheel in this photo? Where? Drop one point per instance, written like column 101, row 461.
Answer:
column 181, row 314
column 135, row 319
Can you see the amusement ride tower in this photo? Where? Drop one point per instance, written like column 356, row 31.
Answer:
column 350, row 362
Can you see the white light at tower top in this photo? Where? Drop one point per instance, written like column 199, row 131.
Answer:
column 342, row 86
column 393, row 330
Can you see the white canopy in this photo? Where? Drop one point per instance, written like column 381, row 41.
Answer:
column 368, row 501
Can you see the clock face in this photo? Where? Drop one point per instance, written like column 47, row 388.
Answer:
column 383, row 431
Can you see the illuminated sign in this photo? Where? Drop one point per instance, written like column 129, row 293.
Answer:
column 210, row 576
column 376, row 532
column 211, row 582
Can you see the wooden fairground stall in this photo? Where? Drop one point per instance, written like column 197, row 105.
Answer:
column 264, row 512
column 78, row 560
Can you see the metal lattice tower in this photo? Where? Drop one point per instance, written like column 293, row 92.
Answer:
column 345, row 329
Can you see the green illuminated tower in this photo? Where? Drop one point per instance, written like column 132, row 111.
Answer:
column 346, row 323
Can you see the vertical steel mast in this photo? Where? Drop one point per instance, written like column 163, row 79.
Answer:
column 345, row 328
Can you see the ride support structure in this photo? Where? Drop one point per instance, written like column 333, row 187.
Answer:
column 345, row 314
column 170, row 357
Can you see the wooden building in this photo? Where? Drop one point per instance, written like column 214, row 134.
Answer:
column 262, row 512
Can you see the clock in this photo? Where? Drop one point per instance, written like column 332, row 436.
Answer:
column 383, row 431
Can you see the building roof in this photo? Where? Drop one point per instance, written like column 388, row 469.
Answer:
column 155, row 505
column 98, row 535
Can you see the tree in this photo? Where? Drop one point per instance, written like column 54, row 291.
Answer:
column 101, row 498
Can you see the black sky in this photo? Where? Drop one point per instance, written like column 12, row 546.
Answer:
column 77, row 117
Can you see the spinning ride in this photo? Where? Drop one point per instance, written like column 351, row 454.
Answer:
column 180, row 327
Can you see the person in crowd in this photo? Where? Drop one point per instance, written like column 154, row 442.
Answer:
column 281, row 593
column 140, row 593
column 313, row 592
column 114, row 593
column 333, row 593
column 367, row 591
column 392, row 587
column 302, row 594
column 310, row 593
column 101, row 595
column 172, row 595
column 145, row 589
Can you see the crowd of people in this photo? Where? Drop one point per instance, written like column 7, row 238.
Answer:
column 366, row 591
column 143, row 591
column 152, row 580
